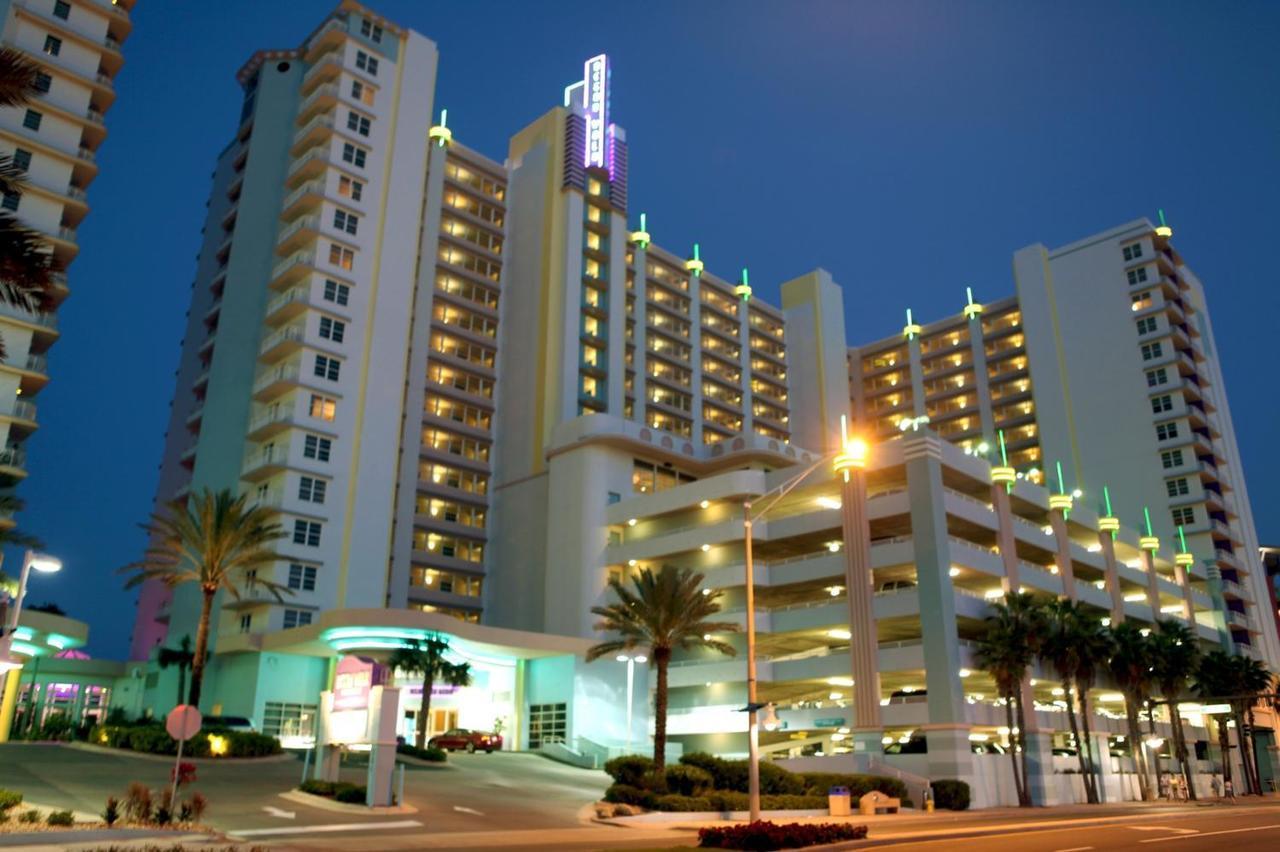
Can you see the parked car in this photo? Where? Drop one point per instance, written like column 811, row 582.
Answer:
column 227, row 723
column 469, row 741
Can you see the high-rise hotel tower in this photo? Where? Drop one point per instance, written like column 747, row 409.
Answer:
column 76, row 44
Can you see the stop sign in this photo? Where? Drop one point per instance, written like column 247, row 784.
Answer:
column 183, row 722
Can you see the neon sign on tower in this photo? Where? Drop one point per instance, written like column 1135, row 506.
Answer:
column 595, row 102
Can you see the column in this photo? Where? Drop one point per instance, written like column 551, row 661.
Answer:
column 641, row 340
column 744, row 361
column 1062, row 542
column 1112, row 576
column 978, row 350
column 1181, row 562
column 948, row 728
column 616, row 356
column 859, row 583
column 912, row 333
column 9, row 703
column 1005, row 539
column 1214, row 573
column 1153, row 582
column 1109, row 781
column 695, row 357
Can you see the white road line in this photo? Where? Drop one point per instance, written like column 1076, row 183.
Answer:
column 1208, row 834
column 1162, row 828
column 461, row 809
column 283, row 814
column 326, row 829
column 1074, row 849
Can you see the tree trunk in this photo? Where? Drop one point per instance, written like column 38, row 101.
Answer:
column 1253, row 752
column 1244, row 733
column 1135, row 746
column 1022, row 746
column 1155, row 752
column 202, row 646
column 1083, row 692
column 1224, row 744
column 424, row 712
column 182, row 682
column 661, row 658
column 1019, row 784
column 1075, row 734
column 1180, row 745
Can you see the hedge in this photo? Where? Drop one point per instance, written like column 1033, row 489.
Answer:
column 340, row 791
column 763, row 835
column 153, row 739
column 774, row 780
column 436, row 755
column 9, row 799
column 950, row 794
column 716, row 800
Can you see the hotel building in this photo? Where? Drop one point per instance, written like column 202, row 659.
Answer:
column 76, row 45
column 476, row 391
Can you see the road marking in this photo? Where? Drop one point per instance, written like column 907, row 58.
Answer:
column 1209, row 833
column 461, row 809
column 277, row 812
column 326, row 829
column 1074, row 849
column 1162, row 828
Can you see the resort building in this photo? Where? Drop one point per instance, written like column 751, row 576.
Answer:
column 54, row 139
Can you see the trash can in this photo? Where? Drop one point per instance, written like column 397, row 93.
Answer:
column 838, row 801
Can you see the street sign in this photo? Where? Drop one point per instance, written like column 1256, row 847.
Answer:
column 834, row 722
column 183, row 722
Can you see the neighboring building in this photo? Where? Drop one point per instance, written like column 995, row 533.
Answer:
column 54, row 139
column 1271, row 562
column 475, row 394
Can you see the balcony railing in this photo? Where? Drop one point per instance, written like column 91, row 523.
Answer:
column 45, row 319
column 284, row 373
column 316, row 186
column 24, row 409
column 293, row 332
column 310, row 222
column 13, row 457
column 318, row 121
column 307, row 258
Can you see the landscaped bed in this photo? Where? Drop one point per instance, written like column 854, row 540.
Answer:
column 765, row 835
column 142, row 808
column 154, row 739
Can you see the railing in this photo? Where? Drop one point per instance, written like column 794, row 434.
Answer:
column 293, row 332
column 293, row 294
column 316, row 154
column 76, row 192
column 68, row 234
column 283, row 373
column 311, row 222
column 278, row 416
column 304, row 257
column 13, row 457
column 95, row 115
column 24, row 409
column 327, row 90
column 112, row 44
column 37, row 363
column 104, row 80
column 318, row 121
column 87, row 154
column 310, row 186
column 47, row 320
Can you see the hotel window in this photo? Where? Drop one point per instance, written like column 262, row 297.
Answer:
column 327, row 368
column 332, row 329
column 1146, row 325
column 1177, row 487
column 1133, row 251
column 52, row 45
column 647, row 477
column 1152, row 350
column 315, row 447
column 1137, row 276
column 366, row 63
column 335, row 292
column 1171, row 458
column 296, row 618
column 343, row 258
column 302, row 577
column 312, row 490
column 306, row 532
column 43, row 82
column 361, row 93
column 323, row 408
column 344, row 221
column 352, row 154
column 61, row 9
column 246, row 622
column 1157, row 377
column 1184, row 516
column 10, row 201
column 357, row 123
column 547, row 724
column 1142, row 300
column 1161, row 404
column 21, row 159
column 31, row 120
column 349, row 188
column 1165, row 431
column 371, row 31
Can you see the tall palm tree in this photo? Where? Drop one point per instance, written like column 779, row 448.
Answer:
column 1131, row 669
column 26, row 262
column 1214, row 679
column 664, row 610
column 1076, row 645
column 1250, row 679
column 1006, row 653
column 214, row 541
column 427, row 658
column 1173, row 663
column 181, row 658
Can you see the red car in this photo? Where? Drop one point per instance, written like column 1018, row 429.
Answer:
column 471, row 741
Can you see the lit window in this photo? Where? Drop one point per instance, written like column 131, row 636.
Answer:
column 323, row 408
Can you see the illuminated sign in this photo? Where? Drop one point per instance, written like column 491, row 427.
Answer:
column 352, row 681
column 595, row 101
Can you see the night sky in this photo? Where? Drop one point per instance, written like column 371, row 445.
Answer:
column 908, row 147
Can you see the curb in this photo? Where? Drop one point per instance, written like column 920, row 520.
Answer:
column 324, row 803
column 169, row 758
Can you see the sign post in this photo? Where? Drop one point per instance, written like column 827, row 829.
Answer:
column 182, row 723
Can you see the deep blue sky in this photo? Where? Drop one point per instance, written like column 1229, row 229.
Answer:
column 908, row 147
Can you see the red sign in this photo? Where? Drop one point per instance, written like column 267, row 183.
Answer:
column 183, row 722
column 352, row 681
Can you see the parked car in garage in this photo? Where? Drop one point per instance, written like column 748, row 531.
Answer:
column 469, row 741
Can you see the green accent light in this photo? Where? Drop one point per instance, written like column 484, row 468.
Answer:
column 1182, row 537
column 696, row 255
column 444, row 118
column 24, row 648
column 1160, row 212
column 24, row 633
column 1106, row 498
column 1146, row 514
column 1062, row 487
column 1004, row 455
column 643, row 226
column 968, row 295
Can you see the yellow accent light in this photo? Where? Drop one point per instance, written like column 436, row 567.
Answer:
column 1185, row 560
column 440, row 134
column 1149, row 542
column 641, row 238
column 973, row 311
column 1108, row 524
column 705, row 504
column 1003, row 475
column 1061, row 501
column 694, row 265
column 911, row 330
column 854, row 457
column 1164, row 231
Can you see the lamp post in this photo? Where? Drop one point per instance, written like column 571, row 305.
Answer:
column 31, row 561
column 849, row 449
column 10, row 670
column 631, row 682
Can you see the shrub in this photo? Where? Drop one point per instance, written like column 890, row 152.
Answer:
column 63, row 818
column 629, row 769
column 317, row 787
column 763, row 835
column 184, row 773
column 352, row 794
column 685, row 780
column 198, row 804
column 111, row 814
column 774, row 780
column 339, row 791
column 731, row 800
column 431, row 753
column 137, row 803
column 162, row 816
column 820, row 783
column 57, row 726
column 951, row 795
column 153, row 739
column 32, row 816
column 685, row 804
column 9, row 799
column 627, row 794
column 734, row 775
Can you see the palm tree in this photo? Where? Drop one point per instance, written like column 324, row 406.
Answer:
column 1250, row 679
column 426, row 657
column 1214, row 679
column 216, row 542
column 1131, row 666
column 26, row 263
column 1173, row 663
column 1006, row 653
column 180, row 657
column 1076, row 645
column 664, row 611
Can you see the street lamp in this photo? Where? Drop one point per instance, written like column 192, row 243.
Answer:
column 631, row 682
column 852, row 454
column 41, row 563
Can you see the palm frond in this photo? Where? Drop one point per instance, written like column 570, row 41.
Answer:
column 17, row 78
column 661, row 610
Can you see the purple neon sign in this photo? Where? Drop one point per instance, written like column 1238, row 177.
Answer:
column 595, row 102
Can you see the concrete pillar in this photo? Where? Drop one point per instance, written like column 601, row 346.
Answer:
column 1005, row 538
column 1039, row 762
column 641, row 340
column 1214, row 574
column 9, row 703
column 950, row 753
column 863, row 644
column 384, row 709
column 616, row 354
column 1112, row 577
column 744, row 363
column 981, row 387
column 1110, row 782
column 328, row 756
column 1062, row 547
column 1184, row 582
column 1153, row 583
column 917, row 376
column 817, row 360
column 695, row 358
